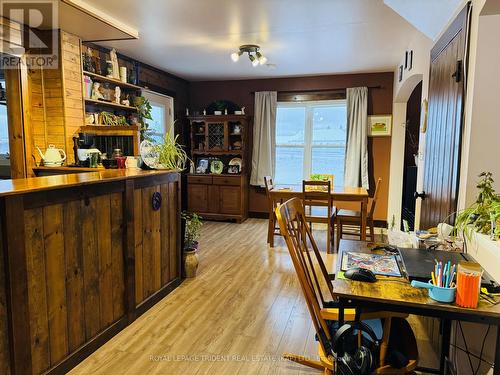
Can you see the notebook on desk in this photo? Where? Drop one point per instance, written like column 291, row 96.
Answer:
column 419, row 263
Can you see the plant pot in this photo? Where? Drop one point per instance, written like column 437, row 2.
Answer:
column 190, row 262
column 218, row 113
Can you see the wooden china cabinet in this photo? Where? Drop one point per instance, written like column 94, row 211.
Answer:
column 214, row 193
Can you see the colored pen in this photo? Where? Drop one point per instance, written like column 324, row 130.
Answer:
column 433, row 278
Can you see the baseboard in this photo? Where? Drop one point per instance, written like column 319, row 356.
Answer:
column 258, row 215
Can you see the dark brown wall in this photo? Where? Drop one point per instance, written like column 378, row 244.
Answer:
column 241, row 92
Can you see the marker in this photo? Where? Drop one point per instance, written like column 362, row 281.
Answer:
column 433, row 278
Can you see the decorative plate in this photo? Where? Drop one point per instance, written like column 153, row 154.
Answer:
column 216, row 166
column 150, row 155
column 236, row 161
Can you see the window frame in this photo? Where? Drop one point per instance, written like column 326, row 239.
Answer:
column 168, row 103
column 308, row 145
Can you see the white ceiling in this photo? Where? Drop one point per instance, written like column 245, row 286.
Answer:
column 194, row 38
column 428, row 16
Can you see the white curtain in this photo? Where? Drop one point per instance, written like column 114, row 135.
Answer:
column 264, row 137
column 356, row 156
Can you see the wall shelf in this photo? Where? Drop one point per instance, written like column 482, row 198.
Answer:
column 109, row 104
column 130, row 130
column 101, row 78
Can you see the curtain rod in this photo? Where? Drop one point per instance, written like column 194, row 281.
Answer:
column 321, row 90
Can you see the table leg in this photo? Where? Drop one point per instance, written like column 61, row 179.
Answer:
column 445, row 344
column 496, row 368
column 364, row 210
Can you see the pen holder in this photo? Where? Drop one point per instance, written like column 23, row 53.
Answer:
column 468, row 284
column 437, row 293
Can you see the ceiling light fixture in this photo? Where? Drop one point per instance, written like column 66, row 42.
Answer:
column 254, row 54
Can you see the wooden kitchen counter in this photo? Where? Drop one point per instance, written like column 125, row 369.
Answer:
column 81, row 257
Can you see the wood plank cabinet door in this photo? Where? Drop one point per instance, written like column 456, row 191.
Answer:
column 213, row 199
column 198, row 197
column 230, row 200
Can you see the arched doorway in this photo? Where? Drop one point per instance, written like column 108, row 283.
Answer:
column 411, row 154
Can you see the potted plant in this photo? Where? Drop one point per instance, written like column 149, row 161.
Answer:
column 484, row 214
column 479, row 225
column 192, row 233
column 143, row 113
column 171, row 154
column 220, row 106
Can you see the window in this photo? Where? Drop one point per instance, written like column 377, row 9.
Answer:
column 310, row 138
column 162, row 113
column 4, row 129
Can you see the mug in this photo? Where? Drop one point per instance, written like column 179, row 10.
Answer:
column 131, row 162
column 120, row 161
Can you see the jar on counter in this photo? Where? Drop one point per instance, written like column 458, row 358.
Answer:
column 117, row 152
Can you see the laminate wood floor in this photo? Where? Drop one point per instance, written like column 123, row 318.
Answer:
column 241, row 312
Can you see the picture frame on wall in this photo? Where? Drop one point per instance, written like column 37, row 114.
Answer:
column 379, row 125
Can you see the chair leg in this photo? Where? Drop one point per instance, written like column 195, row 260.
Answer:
column 329, row 238
column 339, row 234
column 270, row 226
column 372, row 231
column 303, row 361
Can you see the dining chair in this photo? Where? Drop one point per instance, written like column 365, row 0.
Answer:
column 353, row 218
column 272, row 228
column 319, row 208
column 321, row 302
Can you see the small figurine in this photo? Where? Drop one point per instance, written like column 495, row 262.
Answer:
column 187, row 111
column 126, row 102
column 204, row 112
column 242, row 110
column 225, row 111
column 118, row 93
column 96, row 91
column 114, row 63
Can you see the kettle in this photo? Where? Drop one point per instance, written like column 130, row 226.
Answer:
column 53, row 156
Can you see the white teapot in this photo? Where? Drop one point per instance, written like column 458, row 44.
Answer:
column 53, row 156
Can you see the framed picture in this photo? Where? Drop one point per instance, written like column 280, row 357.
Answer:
column 379, row 125
column 233, row 169
column 202, row 166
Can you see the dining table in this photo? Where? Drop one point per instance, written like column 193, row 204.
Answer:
column 281, row 193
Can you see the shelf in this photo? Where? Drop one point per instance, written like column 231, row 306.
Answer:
column 199, row 134
column 130, row 130
column 235, row 134
column 229, row 152
column 114, row 81
column 110, row 104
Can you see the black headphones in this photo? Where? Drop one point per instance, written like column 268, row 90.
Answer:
column 356, row 360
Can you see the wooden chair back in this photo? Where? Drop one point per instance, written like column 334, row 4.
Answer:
column 297, row 234
column 375, row 198
column 317, row 193
column 268, row 183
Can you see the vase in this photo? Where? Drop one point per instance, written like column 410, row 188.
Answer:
column 190, row 263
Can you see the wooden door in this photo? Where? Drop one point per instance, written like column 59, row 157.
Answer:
column 230, row 200
column 197, row 197
column 443, row 139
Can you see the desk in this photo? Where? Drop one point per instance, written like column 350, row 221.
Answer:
column 400, row 296
column 339, row 193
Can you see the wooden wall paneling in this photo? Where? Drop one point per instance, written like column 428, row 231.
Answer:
column 15, row 114
column 118, row 255
column 17, row 281
column 56, row 281
column 156, row 238
column 174, row 235
column 147, row 242
column 129, row 236
column 103, row 232
column 91, row 268
column 4, row 327
column 74, row 113
column 37, row 285
column 165, row 234
column 139, row 277
column 74, row 274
